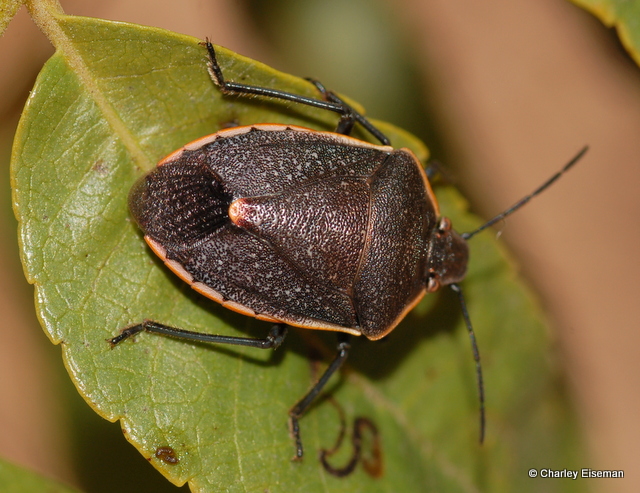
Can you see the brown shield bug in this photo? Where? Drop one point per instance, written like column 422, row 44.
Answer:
column 303, row 228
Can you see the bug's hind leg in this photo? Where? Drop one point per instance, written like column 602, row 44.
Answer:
column 276, row 335
column 348, row 119
column 330, row 101
column 303, row 404
column 350, row 116
column 228, row 87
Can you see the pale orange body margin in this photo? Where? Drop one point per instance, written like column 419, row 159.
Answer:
column 212, row 294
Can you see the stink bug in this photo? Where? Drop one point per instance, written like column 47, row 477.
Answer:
column 303, row 228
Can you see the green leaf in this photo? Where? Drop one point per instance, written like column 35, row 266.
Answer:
column 8, row 9
column 15, row 479
column 112, row 101
column 621, row 14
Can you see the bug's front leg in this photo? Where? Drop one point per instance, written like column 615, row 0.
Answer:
column 303, row 404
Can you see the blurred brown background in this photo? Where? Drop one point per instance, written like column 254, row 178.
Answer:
column 503, row 91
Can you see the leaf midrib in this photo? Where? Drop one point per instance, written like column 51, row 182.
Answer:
column 50, row 19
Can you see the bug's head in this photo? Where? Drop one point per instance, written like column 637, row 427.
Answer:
column 448, row 256
column 448, row 251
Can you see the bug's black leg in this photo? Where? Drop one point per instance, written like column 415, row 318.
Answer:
column 330, row 101
column 345, row 125
column 433, row 169
column 436, row 169
column 351, row 116
column 235, row 88
column 348, row 119
column 476, row 356
column 303, row 404
column 273, row 340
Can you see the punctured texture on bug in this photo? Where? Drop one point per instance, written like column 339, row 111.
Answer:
column 313, row 229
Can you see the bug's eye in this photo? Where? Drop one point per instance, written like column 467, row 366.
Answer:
column 433, row 283
column 444, row 226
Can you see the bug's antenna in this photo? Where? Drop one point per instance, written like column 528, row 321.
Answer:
column 526, row 199
column 476, row 356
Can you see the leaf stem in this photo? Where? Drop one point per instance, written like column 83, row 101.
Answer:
column 43, row 13
column 48, row 16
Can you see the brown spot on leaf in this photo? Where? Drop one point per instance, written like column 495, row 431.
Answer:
column 100, row 167
column 167, row 455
